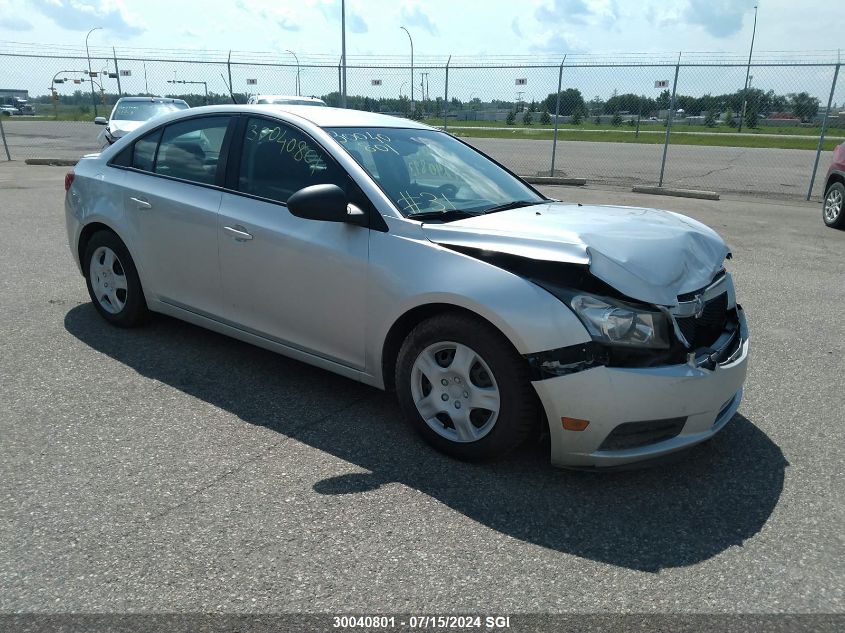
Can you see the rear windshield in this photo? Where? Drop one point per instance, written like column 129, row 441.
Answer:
column 144, row 110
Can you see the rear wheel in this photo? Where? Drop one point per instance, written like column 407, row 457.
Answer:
column 112, row 280
column 834, row 204
column 464, row 388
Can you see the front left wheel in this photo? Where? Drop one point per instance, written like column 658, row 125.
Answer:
column 464, row 388
column 834, row 205
column 112, row 280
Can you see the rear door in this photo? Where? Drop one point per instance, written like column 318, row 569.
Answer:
column 299, row 282
column 174, row 192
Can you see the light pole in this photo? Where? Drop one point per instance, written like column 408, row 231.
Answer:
column 53, row 92
column 88, row 55
column 748, row 70
column 343, row 51
column 412, row 64
column 298, row 90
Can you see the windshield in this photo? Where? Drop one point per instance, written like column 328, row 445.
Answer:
column 426, row 172
column 144, row 110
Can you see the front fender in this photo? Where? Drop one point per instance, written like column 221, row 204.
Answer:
column 408, row 271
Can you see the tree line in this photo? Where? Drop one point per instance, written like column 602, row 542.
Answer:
column 761, row 103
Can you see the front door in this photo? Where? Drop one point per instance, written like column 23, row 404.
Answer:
column 299, row 282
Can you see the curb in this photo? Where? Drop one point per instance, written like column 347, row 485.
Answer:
column 58, row 162
column 680, row 193
column 554, row 180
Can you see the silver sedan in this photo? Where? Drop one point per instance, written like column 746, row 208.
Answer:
column 397, row 255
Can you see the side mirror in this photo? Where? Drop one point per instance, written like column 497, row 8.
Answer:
column 101, row 120
column 327, row 203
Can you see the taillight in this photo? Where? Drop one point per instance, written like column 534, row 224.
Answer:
column 69, row 179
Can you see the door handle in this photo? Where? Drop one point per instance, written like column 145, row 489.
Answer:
column 141, row 203
column 238, row 232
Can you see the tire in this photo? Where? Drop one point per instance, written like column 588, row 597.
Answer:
column 112, row 280
column 455, row 346
column 833, row 207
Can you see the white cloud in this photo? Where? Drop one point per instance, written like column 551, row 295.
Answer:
column 82, row 15
column 14, row 23
column 558, row 42
column 720, row 18
column 413, row 15
column 285, row 18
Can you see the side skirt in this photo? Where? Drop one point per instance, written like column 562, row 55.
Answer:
column 265, row 343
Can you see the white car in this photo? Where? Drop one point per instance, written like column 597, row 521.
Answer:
column 129, row 113
column 285, row 100
column 392, row 253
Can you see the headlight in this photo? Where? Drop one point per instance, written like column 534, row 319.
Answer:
column 617, row 323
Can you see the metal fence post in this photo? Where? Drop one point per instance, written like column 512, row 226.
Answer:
column 117, row 72
column 229, row 69
column 3, row 134
column 446, row 97
column 669, row 118
column 557, row 114
column 824, row 129
column 340, row 87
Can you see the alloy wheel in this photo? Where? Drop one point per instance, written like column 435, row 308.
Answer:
column 833, row 205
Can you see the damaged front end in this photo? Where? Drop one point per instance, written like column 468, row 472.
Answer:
column 704, row 329
column 664, row 354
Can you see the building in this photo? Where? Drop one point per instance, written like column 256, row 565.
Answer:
column 9, row 93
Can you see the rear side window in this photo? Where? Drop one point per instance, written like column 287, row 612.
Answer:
column 144, row 153
column 190, row 149
column 278, row 160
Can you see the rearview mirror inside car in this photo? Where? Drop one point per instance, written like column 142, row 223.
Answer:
column 101, row 120
column 327, row 203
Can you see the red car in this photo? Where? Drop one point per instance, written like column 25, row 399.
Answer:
column 834, row 190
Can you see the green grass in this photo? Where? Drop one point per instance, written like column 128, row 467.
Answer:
column 677, row 139
column 619, row 135
column 652, row 127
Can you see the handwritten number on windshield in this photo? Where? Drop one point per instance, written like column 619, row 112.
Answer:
column 364, row 140
column 429, row 201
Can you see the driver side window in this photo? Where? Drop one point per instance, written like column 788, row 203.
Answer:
column 278, row 160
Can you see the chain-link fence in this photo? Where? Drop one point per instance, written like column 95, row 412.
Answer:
column 732, row 127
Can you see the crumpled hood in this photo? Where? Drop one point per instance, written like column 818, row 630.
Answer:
column 647, row 254
column 119, row 128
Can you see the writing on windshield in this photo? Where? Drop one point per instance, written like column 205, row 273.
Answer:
column 425, row 171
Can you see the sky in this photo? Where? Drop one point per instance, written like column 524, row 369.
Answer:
column 439, row 27
column 477, row 29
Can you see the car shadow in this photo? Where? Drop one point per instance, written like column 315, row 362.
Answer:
column 708, row 499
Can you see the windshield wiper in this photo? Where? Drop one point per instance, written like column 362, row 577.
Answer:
column 448, row 214
column 516, row 204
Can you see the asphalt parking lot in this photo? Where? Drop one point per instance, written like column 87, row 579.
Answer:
column 172, row 469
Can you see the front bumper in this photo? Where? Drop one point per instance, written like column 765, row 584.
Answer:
column 610, row 396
